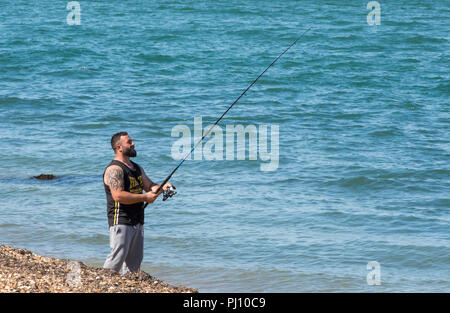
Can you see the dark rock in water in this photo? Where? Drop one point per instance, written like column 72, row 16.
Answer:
column 45, row 176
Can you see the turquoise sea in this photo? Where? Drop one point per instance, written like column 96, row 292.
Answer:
column 364, row 146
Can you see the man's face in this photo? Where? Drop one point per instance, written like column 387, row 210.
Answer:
column 127, row 145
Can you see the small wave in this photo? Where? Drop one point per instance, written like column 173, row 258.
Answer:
column 32, row 102
column 188, row 9
column 349, row 116
column 9, row 225
column 349, row 64
column 238, row 10
column 103, row 125
column 94, row 239
column 410, row 60
column 246, row 32
column 444, row 88
column 287, row 180
column 358, row 182
column 351, row 37
column 10, row 100
column 436, row 206
column 158, row 58
column 396, row 174
column 422, row 39
column 354, row 181
column 385, row 133
column 278, row 90
column 72, row 134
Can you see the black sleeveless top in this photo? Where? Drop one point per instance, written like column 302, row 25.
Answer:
column 125, row 214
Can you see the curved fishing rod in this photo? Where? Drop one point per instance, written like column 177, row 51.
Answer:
column 171, row 191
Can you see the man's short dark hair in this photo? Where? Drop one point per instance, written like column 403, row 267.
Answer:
column 115, row 139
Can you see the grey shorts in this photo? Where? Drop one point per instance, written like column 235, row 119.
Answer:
column 127, row 248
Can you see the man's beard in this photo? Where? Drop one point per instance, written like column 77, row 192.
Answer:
column 130, row 152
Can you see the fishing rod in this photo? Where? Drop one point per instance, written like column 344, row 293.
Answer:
column 171, row 191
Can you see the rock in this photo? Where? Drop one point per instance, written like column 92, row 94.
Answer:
column 45, row 177
column 19, row 273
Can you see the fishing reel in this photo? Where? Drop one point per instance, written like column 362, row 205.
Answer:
column 169, row 193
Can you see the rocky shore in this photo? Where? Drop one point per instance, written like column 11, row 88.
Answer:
column 24, row 271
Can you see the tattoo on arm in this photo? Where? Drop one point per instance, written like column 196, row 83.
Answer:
column 115, row 179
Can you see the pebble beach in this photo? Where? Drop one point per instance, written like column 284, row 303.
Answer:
column 22, row 271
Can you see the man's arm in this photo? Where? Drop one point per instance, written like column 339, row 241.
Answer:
column 149, row 185
column 114, row 179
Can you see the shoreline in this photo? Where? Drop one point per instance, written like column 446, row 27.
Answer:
column 22, row 271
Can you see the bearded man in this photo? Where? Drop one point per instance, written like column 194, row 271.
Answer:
column 124, row 182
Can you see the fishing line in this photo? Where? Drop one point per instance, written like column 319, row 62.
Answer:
column 171, row 191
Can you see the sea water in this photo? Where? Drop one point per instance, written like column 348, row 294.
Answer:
column 358, row 200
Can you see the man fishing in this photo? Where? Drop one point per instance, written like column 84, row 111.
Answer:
column 124, row 182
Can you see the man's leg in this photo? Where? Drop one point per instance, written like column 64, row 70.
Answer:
column 120, row 237
column 135, row 254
